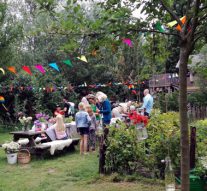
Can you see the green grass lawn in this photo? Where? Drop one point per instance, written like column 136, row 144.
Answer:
column 65, row 172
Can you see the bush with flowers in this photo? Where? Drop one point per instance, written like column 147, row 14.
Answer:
column 12, row 147
column 40, row 119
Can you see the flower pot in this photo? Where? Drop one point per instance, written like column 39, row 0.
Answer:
column 24, row 156
column 12, row 158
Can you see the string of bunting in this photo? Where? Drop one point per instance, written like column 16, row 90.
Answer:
column 52, row 88
column 158, row 26
column 40, row 67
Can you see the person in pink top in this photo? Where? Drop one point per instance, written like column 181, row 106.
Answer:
column 60, row 129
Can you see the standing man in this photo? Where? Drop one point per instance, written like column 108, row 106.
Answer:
column 147, row 103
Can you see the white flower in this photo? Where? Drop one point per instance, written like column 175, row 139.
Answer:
column 25, row 120
column 11, row 147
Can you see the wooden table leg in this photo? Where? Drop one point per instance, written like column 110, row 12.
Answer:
column 15, row 138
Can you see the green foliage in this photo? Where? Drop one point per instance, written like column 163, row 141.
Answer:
column 201, row 134
column 126, row 155
column 123, row 151
column 201, row 150
column 167, row 101
column 164, row 138
column 198, row 98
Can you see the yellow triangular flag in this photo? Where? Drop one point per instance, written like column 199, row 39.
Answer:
column 83, row 58
column 173, row 23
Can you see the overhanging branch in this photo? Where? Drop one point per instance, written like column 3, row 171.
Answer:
column 195, row 17
column 97, row 34
column 174, row 16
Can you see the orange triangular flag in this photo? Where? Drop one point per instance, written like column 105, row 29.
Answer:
column 12, row 69
column 183, row 20
column 94, row 52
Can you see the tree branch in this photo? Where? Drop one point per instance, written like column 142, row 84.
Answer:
column 202, row 18
column 173, row 15
column 195, row 18
column 197, row 38
column 96, row 34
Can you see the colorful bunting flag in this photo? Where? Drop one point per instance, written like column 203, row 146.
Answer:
column 159, row 27
column 173, row 23
column 12, row 69
column 183, row 20
column 94, row 52
column 1, row 69
column 55, row 66
column 27, row 69
column 2, row 100
column 127, row 41
column 67, row 62
column 40, row 68
column 134, row 92
column 83, row 58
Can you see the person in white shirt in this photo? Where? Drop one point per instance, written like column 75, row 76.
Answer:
column 147, row 103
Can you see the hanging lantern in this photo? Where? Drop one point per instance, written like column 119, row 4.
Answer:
column 141, row 132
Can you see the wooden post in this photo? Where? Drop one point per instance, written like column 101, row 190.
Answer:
column 192, row 147
column 102, row 151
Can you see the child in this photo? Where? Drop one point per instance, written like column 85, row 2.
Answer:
column 83, row 121
column 92, row 129
column 60, row 129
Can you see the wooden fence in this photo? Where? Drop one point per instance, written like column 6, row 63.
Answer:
column 197, row 112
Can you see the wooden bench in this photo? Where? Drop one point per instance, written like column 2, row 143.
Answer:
column 41, row 150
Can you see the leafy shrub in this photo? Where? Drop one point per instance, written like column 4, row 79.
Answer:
column 123, row 151
column 126, row 155
column 201, row 137
column 164, row 139
column 168, row 102
column 198, row 98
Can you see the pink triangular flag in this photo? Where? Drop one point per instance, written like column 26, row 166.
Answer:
column 40, row 68
column 27, row 69
column 128, row 42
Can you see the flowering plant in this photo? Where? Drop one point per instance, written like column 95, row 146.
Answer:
column 11, row 147
column 41, row 118
column 25, row 120
column 137, row 118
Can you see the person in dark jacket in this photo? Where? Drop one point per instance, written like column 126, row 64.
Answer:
column 105, row 108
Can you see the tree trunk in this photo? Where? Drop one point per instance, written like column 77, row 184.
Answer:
column 185, row 164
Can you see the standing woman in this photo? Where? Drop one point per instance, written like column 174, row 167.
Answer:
column 105, row 108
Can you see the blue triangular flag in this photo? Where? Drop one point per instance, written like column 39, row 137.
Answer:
column 55, row 66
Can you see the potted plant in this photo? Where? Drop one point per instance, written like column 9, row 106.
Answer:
column 11, row 150
column 41, row 122
column 25, row 121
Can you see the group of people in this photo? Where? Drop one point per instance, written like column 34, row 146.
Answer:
column 94, row 111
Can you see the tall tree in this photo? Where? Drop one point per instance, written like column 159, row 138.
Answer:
column 192, row 30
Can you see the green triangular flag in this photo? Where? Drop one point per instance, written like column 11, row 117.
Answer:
column 67, row 62
column 159, row 27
